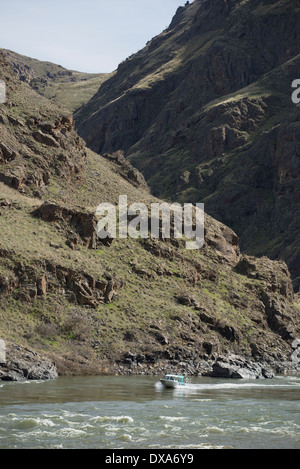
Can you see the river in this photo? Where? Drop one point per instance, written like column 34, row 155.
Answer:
column 137, row 413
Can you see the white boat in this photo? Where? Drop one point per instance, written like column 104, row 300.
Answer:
column 172, row 381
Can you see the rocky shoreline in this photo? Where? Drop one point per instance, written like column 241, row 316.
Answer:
column 229, row 367
column 24, row 364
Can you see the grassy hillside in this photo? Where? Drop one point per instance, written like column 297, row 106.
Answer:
column 91, row 307
column 67, row 88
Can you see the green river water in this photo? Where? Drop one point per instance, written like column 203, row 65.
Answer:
column 137, row 413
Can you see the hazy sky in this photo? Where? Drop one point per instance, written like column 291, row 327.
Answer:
column 83, row 35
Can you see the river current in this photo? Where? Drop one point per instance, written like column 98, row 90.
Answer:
column 138, row 413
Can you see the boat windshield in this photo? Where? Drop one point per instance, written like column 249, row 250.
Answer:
column 174, row 378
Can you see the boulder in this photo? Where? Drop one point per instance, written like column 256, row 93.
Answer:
column 45, row 139
column 239, row 368
column 7, row 153
column 14, row 178
column 187, row 300
column 24, row 364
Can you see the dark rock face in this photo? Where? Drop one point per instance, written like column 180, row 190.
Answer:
column 237, row 368
column 29, row 282
column 83, row 223
column 204, row 111
column 228, row 366
column 24, row 364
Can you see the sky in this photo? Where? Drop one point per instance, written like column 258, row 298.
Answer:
column 84, row 35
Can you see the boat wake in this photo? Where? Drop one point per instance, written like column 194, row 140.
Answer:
column 238, row 385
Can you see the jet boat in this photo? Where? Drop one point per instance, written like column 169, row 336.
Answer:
column 172, row 381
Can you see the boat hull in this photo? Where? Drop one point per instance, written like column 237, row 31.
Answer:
column 171, row 384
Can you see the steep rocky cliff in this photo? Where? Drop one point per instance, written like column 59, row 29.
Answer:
column 131, row 305
column 204, row 111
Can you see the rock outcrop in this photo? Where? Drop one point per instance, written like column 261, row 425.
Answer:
column 24, row 364
column 237, row 368
column 81, row 224
column 31, row 281
column 33, row 147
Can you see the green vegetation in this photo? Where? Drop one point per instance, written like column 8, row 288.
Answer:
column 72, row 95
column 66, row 88
column 81, row 302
